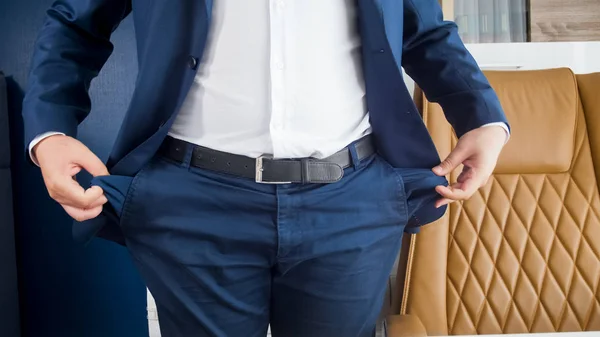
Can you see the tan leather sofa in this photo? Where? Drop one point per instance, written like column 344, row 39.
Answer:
column 523, row 255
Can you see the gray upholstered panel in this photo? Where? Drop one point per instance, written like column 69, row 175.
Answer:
column 4, row 136
column 9, row 308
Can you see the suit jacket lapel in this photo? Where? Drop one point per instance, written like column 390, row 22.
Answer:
column 378, row 6
column 209, row 6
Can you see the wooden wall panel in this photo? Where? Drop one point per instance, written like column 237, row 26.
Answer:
column 565, row 20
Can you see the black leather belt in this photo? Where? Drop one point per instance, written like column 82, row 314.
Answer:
column 267, row 170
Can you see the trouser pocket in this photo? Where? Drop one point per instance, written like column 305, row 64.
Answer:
column 117, row 190
column 419, row 187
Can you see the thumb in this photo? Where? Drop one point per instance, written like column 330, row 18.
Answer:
column 91, row 163
column 454, row 159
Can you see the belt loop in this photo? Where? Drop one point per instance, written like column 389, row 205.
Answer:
column 304, row 170
column 187, row 158
column 354, row 155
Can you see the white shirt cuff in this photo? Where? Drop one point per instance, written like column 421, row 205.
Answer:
column 502, row 125
column 38, row 139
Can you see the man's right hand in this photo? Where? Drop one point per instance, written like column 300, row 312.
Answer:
column 61, row 158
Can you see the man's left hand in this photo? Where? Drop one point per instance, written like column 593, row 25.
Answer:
column 478, row 150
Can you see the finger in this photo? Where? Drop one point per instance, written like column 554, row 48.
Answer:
column 454, row 159
column 91, row 163
column 469, row 185
column 460, row 190
column 466, row 173
column 64, row 189
column 92, row 195
column 99, row 202
column 452, row 192
column 83, row 203
column 80, row 214
column 74, row 170
column 69, row 192
column 442, row 202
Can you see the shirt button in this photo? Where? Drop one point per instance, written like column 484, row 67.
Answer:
column 279, row 65
column 192, row 62
column 280, row 4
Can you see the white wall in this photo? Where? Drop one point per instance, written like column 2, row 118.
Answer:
column 581, row 57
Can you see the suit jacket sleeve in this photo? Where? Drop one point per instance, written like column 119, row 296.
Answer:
column 70, row 50
column 435, row 57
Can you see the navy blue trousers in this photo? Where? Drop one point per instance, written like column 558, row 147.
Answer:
column 226, row 256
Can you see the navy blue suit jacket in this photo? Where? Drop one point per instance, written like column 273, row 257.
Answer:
column 171, row 35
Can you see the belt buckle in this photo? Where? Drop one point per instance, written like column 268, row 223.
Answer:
column 258, row 177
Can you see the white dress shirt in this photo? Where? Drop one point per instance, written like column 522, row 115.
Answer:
column 278, row 77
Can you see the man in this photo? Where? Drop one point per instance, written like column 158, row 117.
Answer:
column 271, row 157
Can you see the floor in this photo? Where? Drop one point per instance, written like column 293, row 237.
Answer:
column 152, row 317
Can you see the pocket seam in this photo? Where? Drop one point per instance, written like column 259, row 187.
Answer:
column 401, row 190
column 403, row 196
column 125, row 211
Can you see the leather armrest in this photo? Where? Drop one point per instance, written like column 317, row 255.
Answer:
column 404, row 326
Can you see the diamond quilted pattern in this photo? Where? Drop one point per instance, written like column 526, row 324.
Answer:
column 517, row 268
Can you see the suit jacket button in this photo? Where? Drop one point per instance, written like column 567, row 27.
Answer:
column 192, row 62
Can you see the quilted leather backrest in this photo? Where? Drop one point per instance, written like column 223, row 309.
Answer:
column 522, row 255
column 542, row 100
column 589, row 89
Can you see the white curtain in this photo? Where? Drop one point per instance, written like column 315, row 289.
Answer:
column 487, row 21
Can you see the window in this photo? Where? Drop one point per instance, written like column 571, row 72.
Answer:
column 488, row 21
